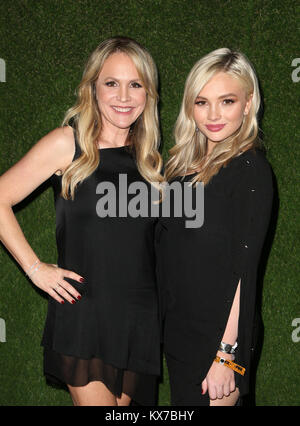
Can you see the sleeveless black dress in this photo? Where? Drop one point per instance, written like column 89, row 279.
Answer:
column 112, row 333
column 199, row 270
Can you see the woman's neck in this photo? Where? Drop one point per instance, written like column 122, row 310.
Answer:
column 113, row 138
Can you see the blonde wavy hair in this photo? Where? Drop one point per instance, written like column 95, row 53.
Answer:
column 188, row 155
column 86, row 117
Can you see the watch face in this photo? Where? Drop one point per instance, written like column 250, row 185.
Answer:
column 228, row 348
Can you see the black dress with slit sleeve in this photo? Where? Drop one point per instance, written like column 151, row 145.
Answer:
column 199, row 270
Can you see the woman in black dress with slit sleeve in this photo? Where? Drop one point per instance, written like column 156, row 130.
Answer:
column 101, row 336
column 208, row 274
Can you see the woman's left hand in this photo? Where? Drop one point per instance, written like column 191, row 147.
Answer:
column 219, row 381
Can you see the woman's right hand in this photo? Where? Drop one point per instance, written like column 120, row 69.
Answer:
column 50, row 278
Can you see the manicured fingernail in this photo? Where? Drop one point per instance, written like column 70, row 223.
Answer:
column 81, row 280
column 73, row 301
column 79, row 297
column 62, row 302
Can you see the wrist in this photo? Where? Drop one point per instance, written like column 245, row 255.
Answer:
column 221, row 354
column 230, row 364
column 32, row 268
column 28, row 263
column 228, row 348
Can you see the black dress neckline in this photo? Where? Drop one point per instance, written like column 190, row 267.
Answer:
column 114, row 147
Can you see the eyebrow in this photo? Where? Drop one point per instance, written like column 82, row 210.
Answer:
column 220, row 97
column 117, row 79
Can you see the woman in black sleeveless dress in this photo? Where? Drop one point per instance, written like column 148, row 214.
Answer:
column 208, row 269
column 102, row 333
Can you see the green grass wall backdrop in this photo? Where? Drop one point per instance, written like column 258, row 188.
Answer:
column 44, row 45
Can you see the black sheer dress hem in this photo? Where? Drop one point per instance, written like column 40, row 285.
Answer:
column 63, row 370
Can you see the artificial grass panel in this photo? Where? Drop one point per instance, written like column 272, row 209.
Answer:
column 45, row 45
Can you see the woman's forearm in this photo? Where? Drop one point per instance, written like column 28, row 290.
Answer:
column 231, row 331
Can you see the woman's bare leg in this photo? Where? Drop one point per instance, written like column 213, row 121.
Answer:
column 93, row 394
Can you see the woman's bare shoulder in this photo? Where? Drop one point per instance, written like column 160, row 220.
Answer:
column 61, row 142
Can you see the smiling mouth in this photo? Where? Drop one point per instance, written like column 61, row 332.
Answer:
column 122, row 109
column 215, row 127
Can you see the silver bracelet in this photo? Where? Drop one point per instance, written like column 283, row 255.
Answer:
column 30, row 275
column 27, row 272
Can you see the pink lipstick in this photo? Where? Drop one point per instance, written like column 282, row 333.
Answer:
column 215, row 127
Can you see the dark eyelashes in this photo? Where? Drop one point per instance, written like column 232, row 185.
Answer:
column 110, row 83
column 136, row 85
column 133, row 84
column 226, row 101
column 229, row 101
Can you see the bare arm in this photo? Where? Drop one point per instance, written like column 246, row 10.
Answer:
column 231, row 331
column 52, row 153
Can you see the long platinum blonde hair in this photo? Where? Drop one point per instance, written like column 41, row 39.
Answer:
column 188, row 155
column 85, row 114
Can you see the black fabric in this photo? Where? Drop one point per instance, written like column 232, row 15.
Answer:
column 185, row 388
column 62, row 369
column 199, row 269
column 112, row 333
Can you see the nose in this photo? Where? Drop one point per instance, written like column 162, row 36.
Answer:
column 214, row 113
column 123, row 93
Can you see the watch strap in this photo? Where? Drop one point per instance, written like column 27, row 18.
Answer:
column 227, row 348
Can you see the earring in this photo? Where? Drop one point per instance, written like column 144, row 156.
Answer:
column 197, row 129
